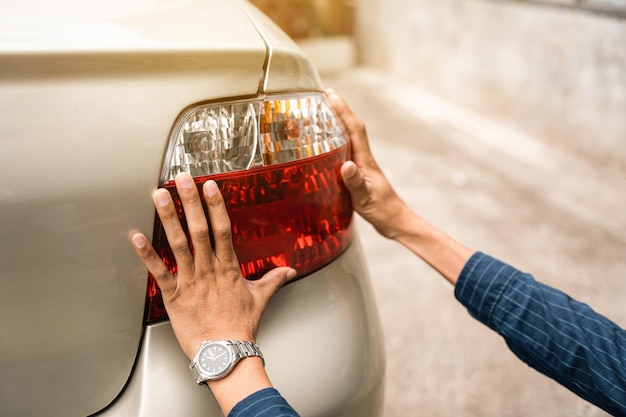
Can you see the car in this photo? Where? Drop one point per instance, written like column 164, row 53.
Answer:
column 102, row 102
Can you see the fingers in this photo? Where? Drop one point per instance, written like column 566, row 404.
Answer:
column 354, row 127
column 176, row 236
column 194, row 215
column 199, row 232
column 220, row 223
column 197, row 225
column 153, row 262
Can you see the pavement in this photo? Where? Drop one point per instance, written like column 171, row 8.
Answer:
column 543, row 210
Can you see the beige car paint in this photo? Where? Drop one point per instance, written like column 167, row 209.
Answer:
column 88, row 96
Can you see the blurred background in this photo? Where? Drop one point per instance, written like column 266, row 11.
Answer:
column 553, row 68
column 504, row 123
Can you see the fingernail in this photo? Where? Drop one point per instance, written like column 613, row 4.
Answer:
column 185, row 181
column 162, row 198
column 210, row 188
column 291, row 274
column 138, row 241
column 349, row 171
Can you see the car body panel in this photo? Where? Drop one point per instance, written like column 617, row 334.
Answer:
column 288, row 68
column 118, row 25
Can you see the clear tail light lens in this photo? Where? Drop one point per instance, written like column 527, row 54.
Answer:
column 276, row 161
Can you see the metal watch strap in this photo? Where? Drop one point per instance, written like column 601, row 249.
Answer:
column 246, row 349
column 195, row 373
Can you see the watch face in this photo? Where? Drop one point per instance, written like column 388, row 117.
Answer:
column 214, row 358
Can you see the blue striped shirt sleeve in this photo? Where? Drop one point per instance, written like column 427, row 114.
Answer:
column 264, row 403
column 558, row 336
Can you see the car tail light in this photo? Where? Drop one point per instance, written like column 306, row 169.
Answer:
column 276, row 160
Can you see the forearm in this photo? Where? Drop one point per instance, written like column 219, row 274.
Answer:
column 440, row 251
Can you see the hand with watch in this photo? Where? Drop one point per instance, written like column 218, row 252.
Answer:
column 213, row 310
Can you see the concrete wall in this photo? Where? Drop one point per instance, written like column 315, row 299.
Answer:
column 556, row 73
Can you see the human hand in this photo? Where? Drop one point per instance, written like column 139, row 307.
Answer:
column 376, row 201
column 373, row 197
column 208, row 299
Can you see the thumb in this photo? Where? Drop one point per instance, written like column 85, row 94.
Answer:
column 355, row 183
column 269, row 283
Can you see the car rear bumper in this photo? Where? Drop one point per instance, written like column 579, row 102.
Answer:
column 321, row 339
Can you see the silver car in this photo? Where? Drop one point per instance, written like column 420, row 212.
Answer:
column 100, row 103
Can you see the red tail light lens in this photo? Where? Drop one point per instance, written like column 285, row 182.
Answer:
column 276, row 162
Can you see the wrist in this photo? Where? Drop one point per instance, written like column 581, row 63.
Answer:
column 248, row 377
column 446, row 255
column 232, row 369
column 405, row 223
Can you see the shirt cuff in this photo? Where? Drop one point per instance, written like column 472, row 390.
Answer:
column 480, row 285
column 260, row 402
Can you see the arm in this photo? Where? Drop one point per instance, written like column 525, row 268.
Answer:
column 377, row 202
column 208, row 299
column 558, row 336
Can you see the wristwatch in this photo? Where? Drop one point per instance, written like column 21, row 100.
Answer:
column 216, row 358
